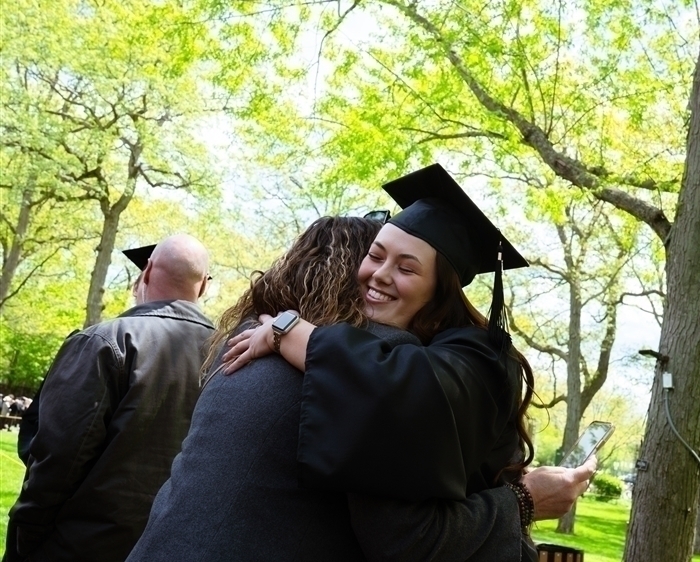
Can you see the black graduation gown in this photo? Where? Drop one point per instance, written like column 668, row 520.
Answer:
column 409, row 422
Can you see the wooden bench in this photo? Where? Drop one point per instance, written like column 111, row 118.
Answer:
column 9, row 421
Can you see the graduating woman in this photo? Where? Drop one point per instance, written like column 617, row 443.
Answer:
column 412, row 422
column 234, row 492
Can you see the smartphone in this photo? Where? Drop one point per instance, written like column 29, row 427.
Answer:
column 588, row 443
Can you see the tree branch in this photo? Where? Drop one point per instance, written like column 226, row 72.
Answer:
column 653, row 216
column 27, row 277
column 534, row 344
column 553, row 402
column 551, row 268
column 431, row 136
column 595, row 383
column 567, row 168
column 648, row 293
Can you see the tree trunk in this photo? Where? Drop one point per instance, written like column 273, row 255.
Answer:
column 696, row 549
column 665, row 498
column 566, row 523
column 11, row 261
column 94, row 308
column 96, row 291
column 573, row 389
column 110, row 227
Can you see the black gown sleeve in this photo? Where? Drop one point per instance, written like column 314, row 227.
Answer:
column 483, row 528
column 408, row 422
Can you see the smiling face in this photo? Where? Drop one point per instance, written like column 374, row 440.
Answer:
column 397, row 276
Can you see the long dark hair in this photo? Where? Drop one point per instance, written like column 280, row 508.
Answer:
column 317, row 277
column 450, row 308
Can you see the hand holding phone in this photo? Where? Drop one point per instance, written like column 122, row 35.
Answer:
column 592, row 439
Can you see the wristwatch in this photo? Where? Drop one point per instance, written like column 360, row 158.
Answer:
column 283, row 324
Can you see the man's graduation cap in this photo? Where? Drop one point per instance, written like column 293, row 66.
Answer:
column 436, row 210
column 140, row 256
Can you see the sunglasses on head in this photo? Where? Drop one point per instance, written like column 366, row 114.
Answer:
column 381, row 216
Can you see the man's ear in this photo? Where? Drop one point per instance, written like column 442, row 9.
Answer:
column 147, row 272
column 203, row 287
column 135, row 286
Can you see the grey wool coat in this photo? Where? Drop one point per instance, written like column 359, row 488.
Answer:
column 234, row 494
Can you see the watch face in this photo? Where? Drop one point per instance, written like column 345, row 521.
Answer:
column 284, row 322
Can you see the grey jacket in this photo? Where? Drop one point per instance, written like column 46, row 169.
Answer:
column 113, row 411
column 233, row 494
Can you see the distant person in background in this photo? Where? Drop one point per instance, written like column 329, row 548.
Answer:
column 17, row 407
column 113, row 411
column 9, row 410
column 6, row 401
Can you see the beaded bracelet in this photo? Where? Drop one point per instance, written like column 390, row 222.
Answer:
column 526, row 504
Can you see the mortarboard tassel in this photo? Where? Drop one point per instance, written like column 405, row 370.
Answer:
column 498, row 322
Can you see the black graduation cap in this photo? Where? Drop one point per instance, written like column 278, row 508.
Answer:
column 436, row 209
column 139, row 256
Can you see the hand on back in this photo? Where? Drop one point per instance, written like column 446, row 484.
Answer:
column 248, row 345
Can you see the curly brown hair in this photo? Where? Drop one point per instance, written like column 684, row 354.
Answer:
column 450, row 308
column 317, row 277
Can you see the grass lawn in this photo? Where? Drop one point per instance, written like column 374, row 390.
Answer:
column 599, row 530
column 11, row 474
column 600, row 527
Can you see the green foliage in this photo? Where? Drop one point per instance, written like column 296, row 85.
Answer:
column 100, row 102
column 26, row 358
column 34, row 323
column 391, row 85
column 607, row 487
column 600, row 530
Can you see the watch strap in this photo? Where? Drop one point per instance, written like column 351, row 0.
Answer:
column 276, row 340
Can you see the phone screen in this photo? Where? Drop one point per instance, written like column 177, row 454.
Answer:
column 589, row 442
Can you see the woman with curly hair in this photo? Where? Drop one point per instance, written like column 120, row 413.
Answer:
column 234, row 492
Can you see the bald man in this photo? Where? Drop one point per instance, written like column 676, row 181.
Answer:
column 113, row 412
